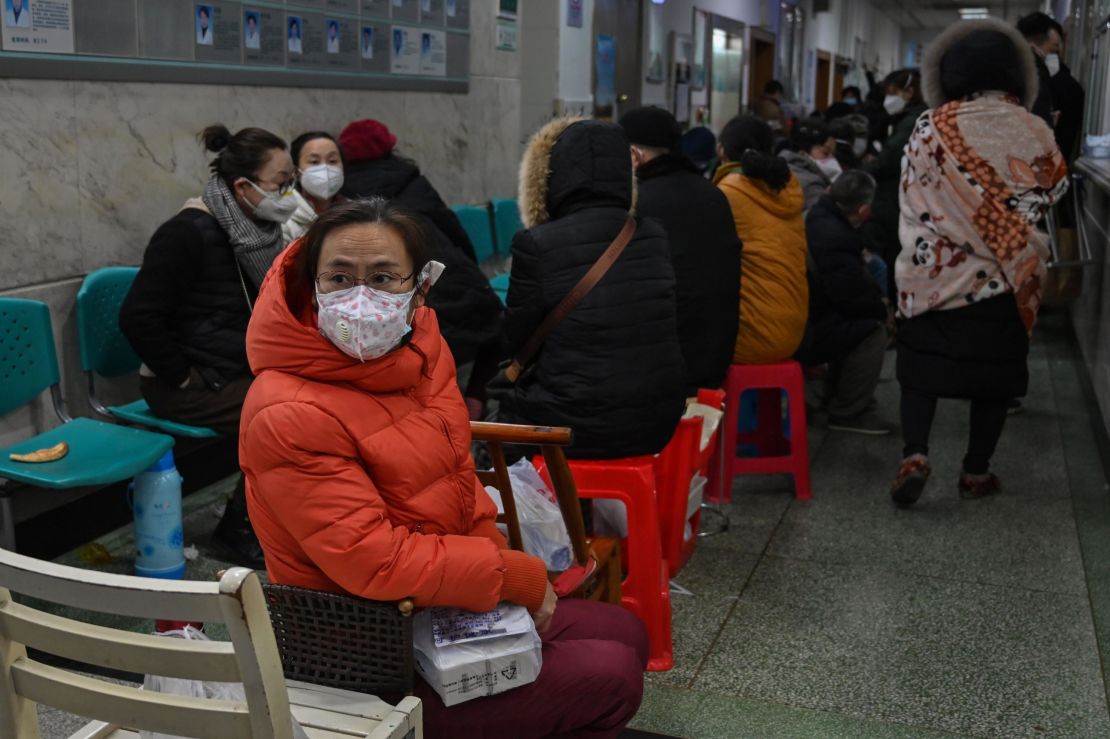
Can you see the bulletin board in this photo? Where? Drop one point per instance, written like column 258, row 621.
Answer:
column 361, row 44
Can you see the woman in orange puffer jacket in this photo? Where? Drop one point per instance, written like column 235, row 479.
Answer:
column 355, row 443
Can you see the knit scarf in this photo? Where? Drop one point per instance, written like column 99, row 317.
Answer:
column 255, row 244
column 977, row 176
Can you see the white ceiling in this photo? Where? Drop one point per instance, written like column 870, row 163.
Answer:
column 936, row 14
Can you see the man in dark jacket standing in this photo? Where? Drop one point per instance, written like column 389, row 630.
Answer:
column 705, row 249
column 846, row 310
column 1042, row 34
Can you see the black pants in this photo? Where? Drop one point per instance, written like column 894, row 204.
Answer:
column 988, row 416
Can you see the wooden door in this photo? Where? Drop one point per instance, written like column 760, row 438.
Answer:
column 824, row 69
column 619, row 20
column 762, row 68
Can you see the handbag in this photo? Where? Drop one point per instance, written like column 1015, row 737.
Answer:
column 511, row 370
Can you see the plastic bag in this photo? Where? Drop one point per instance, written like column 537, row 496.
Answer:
column 233, row 692
column 542, row 528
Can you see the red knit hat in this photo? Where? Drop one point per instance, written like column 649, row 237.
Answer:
column 366, row 139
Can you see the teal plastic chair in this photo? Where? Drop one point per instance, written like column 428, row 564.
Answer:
column 105, row 351
column 475, row 221
column 500, row 285
column 506, row 222
column 99, row 453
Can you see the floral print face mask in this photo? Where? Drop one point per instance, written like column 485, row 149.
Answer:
column 365, row 323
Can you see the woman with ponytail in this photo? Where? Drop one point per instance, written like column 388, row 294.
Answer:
column 187, row 312
column 767, row 203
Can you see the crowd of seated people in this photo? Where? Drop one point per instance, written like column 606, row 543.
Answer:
column 320, row 302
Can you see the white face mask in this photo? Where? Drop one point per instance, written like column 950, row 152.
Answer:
column 1052, row 61
column 859, row 146
column 830, row 167
column 274, row 206
column 365, row 323
column 894, row 104
column 322, row 181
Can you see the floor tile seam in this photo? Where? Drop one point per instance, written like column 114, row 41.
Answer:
column 792, row 707
column 940, row 578
column 1075, row 356
column 740, row 593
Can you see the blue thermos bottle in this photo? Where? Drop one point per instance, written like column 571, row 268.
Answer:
column 158, row 535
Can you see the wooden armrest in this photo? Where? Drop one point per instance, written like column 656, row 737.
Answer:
column 508, row 433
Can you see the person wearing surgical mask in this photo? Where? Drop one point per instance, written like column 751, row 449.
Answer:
column 904, row 104
column 812, row 158
column 187, row 311
column 1042, row 33
column 356, row 449
column 320, row 169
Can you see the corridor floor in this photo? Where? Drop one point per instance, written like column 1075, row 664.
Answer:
column 845, row 617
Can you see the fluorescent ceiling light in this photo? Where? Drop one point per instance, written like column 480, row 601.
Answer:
column 974, row 13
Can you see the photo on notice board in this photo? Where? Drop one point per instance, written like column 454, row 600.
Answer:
column 333, row 37
column 204, row 25
column 367, row 42
column 295, row 25
column 17, row 14
column 251, row 38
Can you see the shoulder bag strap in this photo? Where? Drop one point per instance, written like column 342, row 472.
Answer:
column 572, row 299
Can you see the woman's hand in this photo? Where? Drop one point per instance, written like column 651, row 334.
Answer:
column 543, row 616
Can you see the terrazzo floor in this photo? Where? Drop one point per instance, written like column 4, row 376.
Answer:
column 845, row 617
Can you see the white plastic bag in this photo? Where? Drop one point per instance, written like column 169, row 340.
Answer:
column 233, row 692
column 541, row 522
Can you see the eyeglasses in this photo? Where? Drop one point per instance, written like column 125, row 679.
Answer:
column 330, row 282
column 283, row 189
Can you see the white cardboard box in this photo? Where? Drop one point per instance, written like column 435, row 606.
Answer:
column 475, row 667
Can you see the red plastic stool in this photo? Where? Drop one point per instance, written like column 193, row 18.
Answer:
column 646, row 589
column 777, row 454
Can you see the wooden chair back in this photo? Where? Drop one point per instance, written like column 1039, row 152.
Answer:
column 250, row 658
column 604, row 584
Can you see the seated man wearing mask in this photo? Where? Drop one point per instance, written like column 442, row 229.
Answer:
column 705, row 249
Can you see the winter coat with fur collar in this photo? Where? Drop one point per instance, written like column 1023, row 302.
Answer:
column 612, row 370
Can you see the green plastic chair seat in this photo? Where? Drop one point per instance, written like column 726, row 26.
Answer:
column 139, row 412
column 99, row 454
column 500, row 285
column 506, row 222
column 475, row 221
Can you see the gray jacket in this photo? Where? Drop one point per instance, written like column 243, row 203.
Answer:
column 813, row 181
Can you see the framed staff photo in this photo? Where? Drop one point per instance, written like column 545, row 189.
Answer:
column 367, row 44
column 333, row 37
column 204, row 25
column 251, row 37
column 295, row 27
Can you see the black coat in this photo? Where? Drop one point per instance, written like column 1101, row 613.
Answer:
column 1044, row 104
column 978, row 351
column 612, row 370
column 845, row 304
column 468, row 309
column 1068, row 96
column 705, row 253
column 188, row 307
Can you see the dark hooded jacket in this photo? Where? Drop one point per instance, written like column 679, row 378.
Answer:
column 705, row 252
column 612, row 370
column 468, row 309
column 845, row 304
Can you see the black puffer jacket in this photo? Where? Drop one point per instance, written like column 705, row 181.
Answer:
column 187, row 306
column 612, row 370
column 468, row 309
column 845, row 304
column 705, row 252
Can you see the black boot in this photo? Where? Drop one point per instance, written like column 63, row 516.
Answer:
column 234, row 535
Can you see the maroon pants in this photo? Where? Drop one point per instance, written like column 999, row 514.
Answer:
column 591, row 683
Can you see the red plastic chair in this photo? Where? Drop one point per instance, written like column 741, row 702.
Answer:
column 777, row 454
column 646, row 588
column 675, row 468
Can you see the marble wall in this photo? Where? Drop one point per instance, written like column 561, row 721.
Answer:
column 92, row 168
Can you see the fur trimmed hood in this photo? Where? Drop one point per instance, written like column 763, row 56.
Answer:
column 931, row 79
column 575, row 163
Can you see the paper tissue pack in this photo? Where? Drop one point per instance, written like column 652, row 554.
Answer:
column 465, row 655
